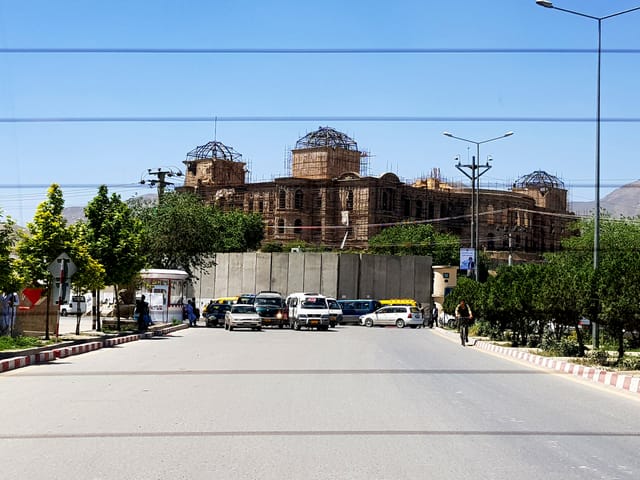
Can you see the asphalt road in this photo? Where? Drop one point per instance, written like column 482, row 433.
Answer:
column 351, row 403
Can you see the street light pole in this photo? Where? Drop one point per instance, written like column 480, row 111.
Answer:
column 596, row 219
column 475, row 190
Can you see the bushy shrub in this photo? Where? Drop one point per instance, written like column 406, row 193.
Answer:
column 597, row 357
column 482, row 328
column 630, row 362
column 14, row 343
column 271, row 247
column 565, row 347
column 533, row 341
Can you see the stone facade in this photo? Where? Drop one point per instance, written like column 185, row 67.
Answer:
column 328, row 197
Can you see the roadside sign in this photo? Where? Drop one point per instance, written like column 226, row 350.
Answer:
column 62, row 269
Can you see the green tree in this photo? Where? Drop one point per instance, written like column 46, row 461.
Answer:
column 47, row 237
column 238, row 231
column 616, row 284
column 565, row 292
column 472, row 292
column 178, row 233
column 115, row 238
column 417, row 240
column 512, row 300
column 90, row 274
column 9, row 280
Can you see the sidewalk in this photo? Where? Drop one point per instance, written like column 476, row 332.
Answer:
column 73, row 344
column 621, row 381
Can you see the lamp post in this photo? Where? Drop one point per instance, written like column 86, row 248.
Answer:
column 596, row 220
column 475, row 188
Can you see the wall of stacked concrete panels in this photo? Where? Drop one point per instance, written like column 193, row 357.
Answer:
column 331, row 274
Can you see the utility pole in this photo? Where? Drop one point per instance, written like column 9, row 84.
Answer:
column 477, row 171
column 160, row 175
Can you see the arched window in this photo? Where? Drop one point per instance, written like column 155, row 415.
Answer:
column 280, row 225
column 385, row 200
column 406, row 207
column 298, row 199
column 282, row 199
column 297, row 224
column 444, row 210
column 350, row 200
column 418, row 208
column 491, row 244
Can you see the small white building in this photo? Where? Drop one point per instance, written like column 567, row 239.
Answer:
column 445, row 278
column 166, row 292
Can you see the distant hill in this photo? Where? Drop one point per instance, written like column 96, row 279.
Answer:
column 622, row 202
column 73, row 214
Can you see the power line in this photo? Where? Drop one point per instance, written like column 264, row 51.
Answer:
column 313, row 118
column 309, row 51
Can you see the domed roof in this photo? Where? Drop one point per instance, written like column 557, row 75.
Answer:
column 538, row 179
column 326, row 137
column 214, row 150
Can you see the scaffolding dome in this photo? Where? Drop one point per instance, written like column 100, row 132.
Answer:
column 538, row 179
column 214, row 150
column 327, row 137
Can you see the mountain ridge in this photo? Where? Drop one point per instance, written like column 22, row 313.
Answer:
column 624, row 201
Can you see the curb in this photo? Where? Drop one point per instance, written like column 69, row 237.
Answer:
column 62, row 352
column 613, row 379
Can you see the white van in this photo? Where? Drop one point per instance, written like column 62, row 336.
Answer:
column 77, row 305
column 308, row 310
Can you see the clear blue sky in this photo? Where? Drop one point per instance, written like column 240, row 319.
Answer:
column 449, row 86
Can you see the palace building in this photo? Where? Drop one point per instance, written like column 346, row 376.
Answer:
column 330, row 200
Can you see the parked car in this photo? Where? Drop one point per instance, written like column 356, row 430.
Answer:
column 409, row 302
column 271, row 308
column 78, row 304
column 394, row 315
column 352, row 310
column 246, row 298
column 227, row 300
column 214, row 313
column 308, row 310
column 242, row 316
column 335, row 312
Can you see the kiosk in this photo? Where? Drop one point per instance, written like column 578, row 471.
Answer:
column 166, row 292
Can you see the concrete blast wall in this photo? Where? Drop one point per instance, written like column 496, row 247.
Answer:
column 335, row 275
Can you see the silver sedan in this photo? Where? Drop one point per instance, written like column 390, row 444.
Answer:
column 242, row 316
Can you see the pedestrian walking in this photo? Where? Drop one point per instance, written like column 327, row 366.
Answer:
column 141, row 314
column 191, row 314
column 464, row 317
column 4, row 313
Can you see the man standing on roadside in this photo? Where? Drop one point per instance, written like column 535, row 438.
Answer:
column 142, row 313
column 434, row 316
column 464, row 316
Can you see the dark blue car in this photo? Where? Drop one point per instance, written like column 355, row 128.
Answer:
column 352, row 310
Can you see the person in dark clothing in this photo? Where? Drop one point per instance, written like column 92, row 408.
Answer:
column 434, row 316
column 142, row 314
column 464, row 317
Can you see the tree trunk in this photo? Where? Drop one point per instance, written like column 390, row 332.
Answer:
column 620, row 343
column 97, row 302
column 117, row 299
column 579, row 337
column 46, row 315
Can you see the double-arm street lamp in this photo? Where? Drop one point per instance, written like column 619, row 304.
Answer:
column 596, row 221
column 475, row 168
